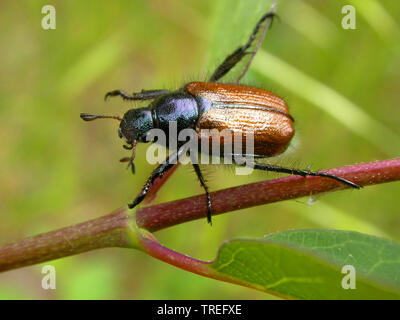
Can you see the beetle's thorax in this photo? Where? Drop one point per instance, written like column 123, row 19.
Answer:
column 179, row 106
column 173, row 113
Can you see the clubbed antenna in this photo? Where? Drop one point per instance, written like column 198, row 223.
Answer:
column 91, row 117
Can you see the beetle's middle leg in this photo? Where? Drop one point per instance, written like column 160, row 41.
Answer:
column 142, row 95
column 297, row 172
column 205, row 187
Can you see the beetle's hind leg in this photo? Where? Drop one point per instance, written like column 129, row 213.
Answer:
column 242, row 51
column 303, row 173
column 143, row 95
column 203, row 184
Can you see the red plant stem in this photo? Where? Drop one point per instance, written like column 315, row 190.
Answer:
column 168, row 214
column 107, row 231
column 116, row 229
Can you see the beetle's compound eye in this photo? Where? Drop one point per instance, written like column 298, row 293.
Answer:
column 135, row 124
column 121, row 135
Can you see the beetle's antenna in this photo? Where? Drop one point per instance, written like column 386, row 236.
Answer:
column 91, row 117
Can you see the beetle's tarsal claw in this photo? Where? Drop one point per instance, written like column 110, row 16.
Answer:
column 110, row 94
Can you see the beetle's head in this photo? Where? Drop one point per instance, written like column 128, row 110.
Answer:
column 135, row 124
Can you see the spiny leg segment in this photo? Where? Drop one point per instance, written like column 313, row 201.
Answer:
column 162, row 169
column 240, row 52
column 297, row 172
column 205, row 187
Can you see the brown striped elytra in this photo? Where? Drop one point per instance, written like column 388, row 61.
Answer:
column 243, row 110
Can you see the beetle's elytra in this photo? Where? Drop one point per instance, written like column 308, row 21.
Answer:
column 244, row 109
column 212, row 105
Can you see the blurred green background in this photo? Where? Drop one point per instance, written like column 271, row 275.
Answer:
column 343, row 87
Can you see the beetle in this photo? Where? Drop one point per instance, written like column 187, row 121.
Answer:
column 214, row 105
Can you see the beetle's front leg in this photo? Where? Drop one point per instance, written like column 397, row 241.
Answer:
column 162, row 169
column 143, row 95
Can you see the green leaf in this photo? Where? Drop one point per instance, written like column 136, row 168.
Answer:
column 307, row 264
